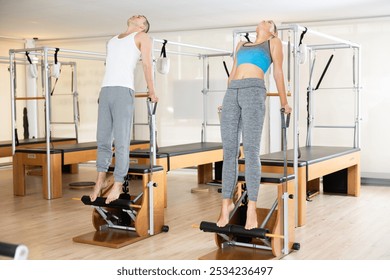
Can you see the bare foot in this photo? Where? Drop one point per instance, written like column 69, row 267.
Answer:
column 226, row 209
column 95, row 193
column 251, row 216
column 115, row 191
column 99, row 186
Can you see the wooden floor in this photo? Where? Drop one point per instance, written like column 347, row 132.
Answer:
column 338, row 227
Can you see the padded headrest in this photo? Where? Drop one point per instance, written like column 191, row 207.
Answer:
column 163, row 61
column 163, row 65
column 33, row 71
column 302, row 53
column 55, row 70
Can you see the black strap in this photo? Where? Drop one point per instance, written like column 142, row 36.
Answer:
column 163, row 51
column 55, row 56
column 28, row 57
column 226, row 69
column 16, row 137
column 25, row 124
column 324, row 72
column 247, row 37
column 55, row 62
column 302, row 35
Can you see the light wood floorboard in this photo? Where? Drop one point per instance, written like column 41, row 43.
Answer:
column 338, row 226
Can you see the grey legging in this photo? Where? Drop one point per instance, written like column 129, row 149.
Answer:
column 243, row 109
column 115, row 117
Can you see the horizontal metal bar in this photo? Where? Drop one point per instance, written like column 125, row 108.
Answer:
column 217, row 54
column 293, row 27
column 40, row 51
column 334, row 126
column 68, row 56
column 214, row 90
column 333, row 38
column 249, row 245
column 331, row 46
column 140, row 123
column 80, row 52
column 297, row 28
column 23, row 61
column 339, row 88
column 191, row 46
column 88, row 55
column 64, row 94
column 122, row 227
column 23, row 51
column 179, row 53
column 62, row 122
column 81, row 57
column 212, row 124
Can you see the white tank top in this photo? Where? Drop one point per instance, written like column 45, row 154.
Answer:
column 121, row 60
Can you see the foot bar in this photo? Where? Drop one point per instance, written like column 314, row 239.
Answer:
column 235, row 230
column 118, row 203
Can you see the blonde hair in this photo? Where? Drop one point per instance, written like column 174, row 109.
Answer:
column 273, row 29
column 146, row 23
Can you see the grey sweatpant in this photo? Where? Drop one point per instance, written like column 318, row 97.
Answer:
column 243, row 109
column 115, row 117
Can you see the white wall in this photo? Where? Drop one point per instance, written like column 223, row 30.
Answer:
column 179, row 113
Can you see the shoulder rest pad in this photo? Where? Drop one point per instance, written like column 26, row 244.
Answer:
column 139, row 169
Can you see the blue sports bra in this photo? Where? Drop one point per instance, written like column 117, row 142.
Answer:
column 258, row 55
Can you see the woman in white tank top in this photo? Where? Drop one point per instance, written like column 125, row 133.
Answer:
column 116, row 101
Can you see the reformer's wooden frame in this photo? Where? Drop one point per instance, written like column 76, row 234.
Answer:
column 60, row 155
column 6, row 146
column 309, row 176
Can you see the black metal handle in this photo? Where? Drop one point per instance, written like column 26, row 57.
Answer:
column 152, row 106
column 285, row 121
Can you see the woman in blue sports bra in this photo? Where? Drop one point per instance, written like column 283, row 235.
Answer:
column 243, row 112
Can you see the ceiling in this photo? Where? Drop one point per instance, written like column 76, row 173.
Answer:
column 53, row 19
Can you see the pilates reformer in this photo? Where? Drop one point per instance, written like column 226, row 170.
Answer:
column 131, row 217
column 6, row 146
column 276, row 230
column 60, row 156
